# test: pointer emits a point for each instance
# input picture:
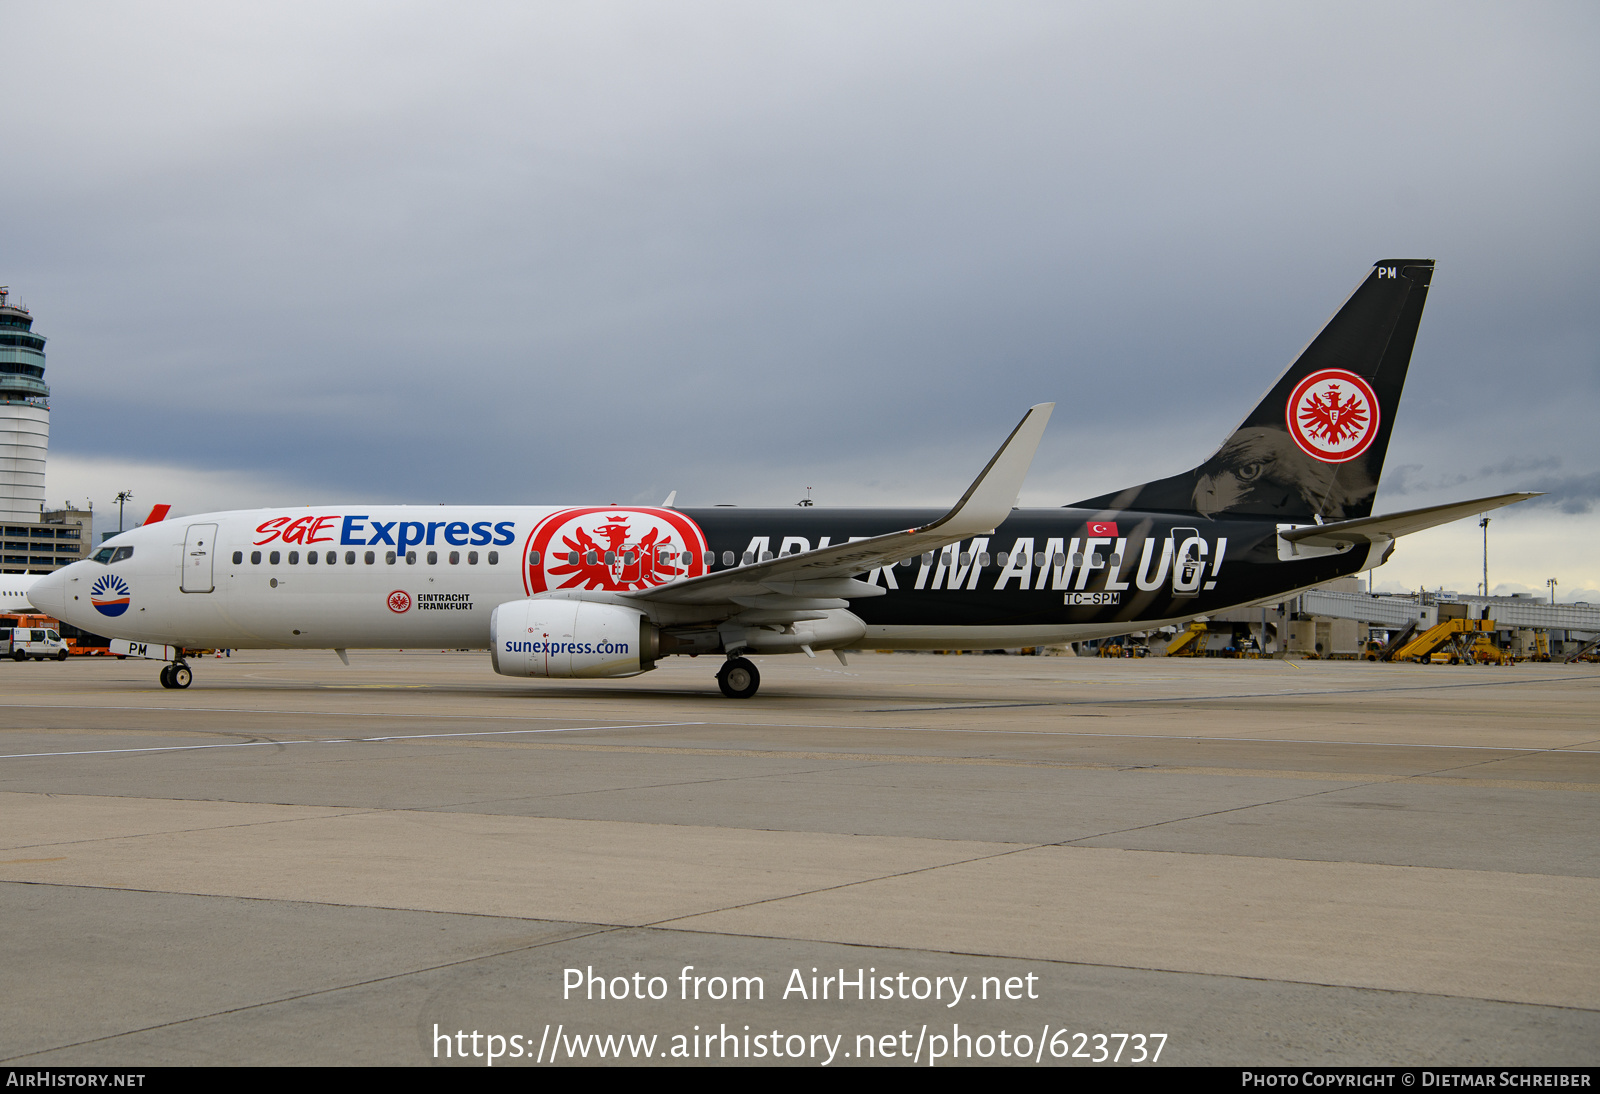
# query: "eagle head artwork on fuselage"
(1261, 469)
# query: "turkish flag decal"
(1103, 528)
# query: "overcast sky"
(570, 253)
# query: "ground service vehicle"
(32, 644)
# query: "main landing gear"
(176, 675)
(738, 678)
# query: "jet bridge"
(1391, 612)
(1521, 611)
(1395, 612)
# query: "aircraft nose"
(49, 593)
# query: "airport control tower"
(24, 415)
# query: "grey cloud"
(1414, 478)
(538, 253)
(1571, 493)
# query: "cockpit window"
(104, 554)
(122, 553)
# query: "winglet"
(158, 514)
(986, 504)
(993, 494)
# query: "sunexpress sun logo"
(110, 595)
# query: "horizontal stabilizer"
(1346, 533)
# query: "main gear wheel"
(738, 678)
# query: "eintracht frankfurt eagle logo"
(614, 549)
(1333, 415)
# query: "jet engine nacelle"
(566, 638)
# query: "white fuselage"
(14, 592)
(243, 585)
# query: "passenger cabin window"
(494, 558)
(294, 558)
(533, 558)
(472, 558)
(255, 558)
(433, 558)
(311, 558)
(411, 558)
(388, 556)
(274, 557)
(238, 557)
(455, 558)
(349, 558)
(372, 557)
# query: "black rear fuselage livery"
(606, 591)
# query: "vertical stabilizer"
(1314, 445)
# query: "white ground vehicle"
(37, 643)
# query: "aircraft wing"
(1347, 533)
(824, 578)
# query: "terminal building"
(32, 539)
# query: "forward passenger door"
(198, 548)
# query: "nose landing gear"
(176, 675)
(738, 678)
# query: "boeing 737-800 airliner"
(607, 591)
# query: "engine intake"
(570, 638)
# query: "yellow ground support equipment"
(1485, 652)
(1541, 645)
(1459, 635)
(1189, 643)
